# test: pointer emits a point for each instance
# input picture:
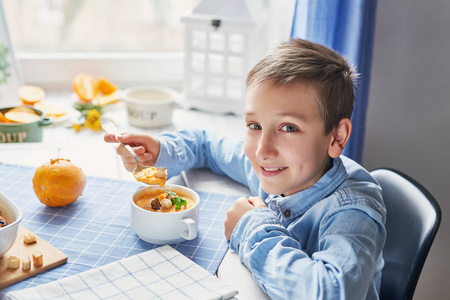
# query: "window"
(97, 25)
(130, 41)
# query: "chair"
(413, 219)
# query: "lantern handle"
(216, 23)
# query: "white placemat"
(161, 273)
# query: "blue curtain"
(347, 26)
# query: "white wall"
(409, 113)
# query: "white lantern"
(220, 49)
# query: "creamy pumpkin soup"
(2, 221)
(164, 201)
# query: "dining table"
(107, 177)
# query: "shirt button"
(287, 213)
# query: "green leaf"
(178, 201)
(85, 107)
(171, 193)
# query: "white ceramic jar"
(150, 106)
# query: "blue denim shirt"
(324, 242)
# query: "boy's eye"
(289, 128)
(254, 126)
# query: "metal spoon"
(110, 127)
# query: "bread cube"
(29, 238)
(26, 263)
(38, 259)
(13, 262)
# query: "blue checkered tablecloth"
(95, 230)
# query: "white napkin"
(161, 273)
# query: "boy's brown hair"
(300, 60)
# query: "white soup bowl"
(165, 227)
(11, 212)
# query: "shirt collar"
(300, 202)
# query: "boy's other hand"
(146, 148)
(239, 208)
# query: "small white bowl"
(11, 212)
(165, 228)
(150, 106)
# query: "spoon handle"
(110, 127)
(138, 163)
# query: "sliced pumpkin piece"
(23, 108)
(85, 86)
(30, 94)
(105, 86)
(51, 110)
(103, 100)
(3, 119)
(21, 117)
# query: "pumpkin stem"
(55, 160)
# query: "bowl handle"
(191, 232)
(45, 122)
(175, 105)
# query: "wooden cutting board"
(52, 258)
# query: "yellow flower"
(93, 117)
(77, 127)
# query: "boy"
(315, 227)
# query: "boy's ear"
(339, 137)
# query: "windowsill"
(56, 70)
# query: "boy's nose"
(266, 147)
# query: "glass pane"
(97, 25)
(236, 43)
(215, 87)
(235, 66)
(198, 62)
(131, 25)
(215, 63)
(198, 39)
(235, 89)
(196, 85)
(216, 41)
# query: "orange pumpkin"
(85, 86)
(58, 182)
(105, 86)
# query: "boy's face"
(285, 138)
